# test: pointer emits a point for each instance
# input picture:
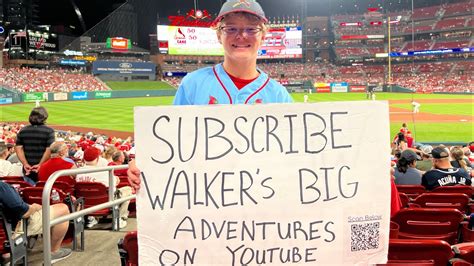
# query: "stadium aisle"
(100, 247)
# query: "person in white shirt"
(91, 159)
(6, 167)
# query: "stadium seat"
(65, 187)
(429, 223)
(22, 184)
(454, 189)
(465, 251)
(95, 193)
(15, 247)
(128, 249)
(11, 178)
(457, 201)
(419, 252)
(412, 191)
(404, 199)
(34, 195)
(394, 228)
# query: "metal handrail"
(47, 223)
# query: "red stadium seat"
(429, 223)
(454, 189)
(35, 194)
(128, 249)
(12, 178)
(412, 191)
(22, 184)
(67, 188)
(95, 193)
(465, 251)
(443, 200)
(414, 252)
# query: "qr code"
(365, 236)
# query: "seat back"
(429, 223)
(443, 200)
(21, 183)
(16, 247)
(422, 251)
(35, 195)
(94, 193)
(65, 187)
(12, 178)
(404, 199)
(412, 191)
(455, 189)
(128, 249)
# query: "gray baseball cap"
(247, 6)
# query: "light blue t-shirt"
(212, 85)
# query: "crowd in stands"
(455, 76)
(44, 80)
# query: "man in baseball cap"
(444, 174)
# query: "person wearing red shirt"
(58, 161)
(118, 158)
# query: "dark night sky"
(61, 11)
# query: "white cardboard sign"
(263, 184)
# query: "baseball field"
(442, 117)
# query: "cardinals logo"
(242, 2)
(212, 100)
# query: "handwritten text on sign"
(263, 184)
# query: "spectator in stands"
(409, 139)
(401, 142)
(32, 144)
(59, 161)
(109, 152)
(91, 158)
(241, 30)
(16, 209)
(459, 161)
(443, 173)
(426, 163)
(6, 167)
(118, 158)
(405, 171)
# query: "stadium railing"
(48, 223)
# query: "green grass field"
(117, 114)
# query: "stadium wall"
(80, 95)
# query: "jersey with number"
(212, 85)
(445, 177)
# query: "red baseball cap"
(91, 153)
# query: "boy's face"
(241, 36)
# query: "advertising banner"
(72, 62)
(357, 88)
(6, 100)
(79, 95)
(263, 184)
(102, 94)
(60, 96)
(339, 87)
(34, 96)
(118, 67)
(322, 87)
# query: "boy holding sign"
(240, 28)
